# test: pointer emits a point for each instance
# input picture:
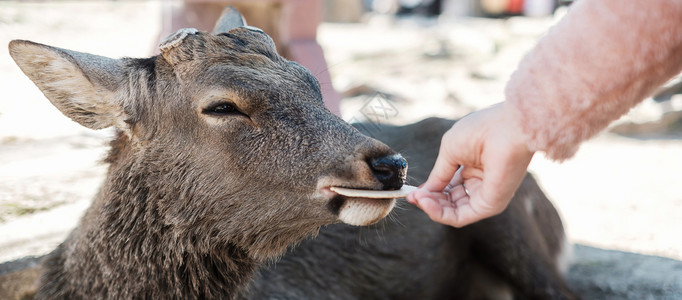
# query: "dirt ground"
(619, 193)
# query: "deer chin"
(364, 211)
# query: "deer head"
(220, 139)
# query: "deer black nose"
(390, 170)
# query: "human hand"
(481, 162)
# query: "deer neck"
(124, 248)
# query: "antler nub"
(176, 39)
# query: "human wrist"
(514, 130)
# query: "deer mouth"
(362, 207)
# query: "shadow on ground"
(608, 274)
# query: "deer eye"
(222, 109)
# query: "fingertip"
(410, 198)
(416, 203)
(413, 196)
(419, 194)
(430, 207)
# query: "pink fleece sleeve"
(602, 59)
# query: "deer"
(219, 187)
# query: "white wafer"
(375, 194)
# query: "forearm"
(603, 58)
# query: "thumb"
(441, 174)
(454, 149)
(445, 167)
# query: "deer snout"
(390, 170)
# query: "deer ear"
(82, 86)
(230, 18)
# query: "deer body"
(223, 160)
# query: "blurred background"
(412, 58)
